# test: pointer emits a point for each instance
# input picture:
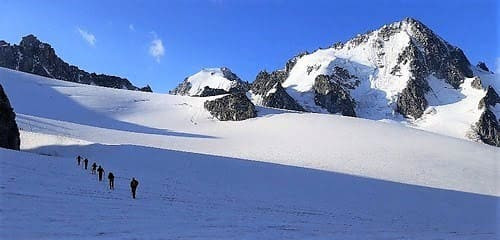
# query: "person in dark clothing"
(133, 185)
(78, 159)
(111, 178)
(94, 167)
(86, 163)
(100, 170)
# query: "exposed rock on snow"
(332, 96)
(411, 101)
(218, 80)
(9, 133)
(487, 126)
(147, 88)
(482, 66)
(33, 56)
(208, 91)
(490, 99)
(268, 86)
(388, 66)
(444, 60)
(232, 107)
(476, 83)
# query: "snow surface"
(283, 175)
(211, 77)
(378, 89)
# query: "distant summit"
(36, 57)
(211, 82)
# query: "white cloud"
(156, 48)
(131, 27)
(89, 37)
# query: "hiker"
(94, 166)
(100, 170)
(111, 178)
(133, 185)
(78, 159)
(85, 163)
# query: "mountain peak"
(210, 82)
(29, 40)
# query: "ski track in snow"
(283, 175)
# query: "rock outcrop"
(208, 91)
(427, 54)
(482, 66)
(476, 83)
(490, 99)
(487, 126)
(232, 107)
(268, 86)
(9, 133)
(33, 56)
(332, 96)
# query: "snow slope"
(209, 77)
(283, 175)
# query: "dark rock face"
(488, 129)
(9, 133)
(240, 86)
(442, 59)
(147, 88)
(208, 91)
(273, 94)
(411, 101)
(33, 56)
(427, 54)
(490, 99)
(233, 107)
(482, 66)
(332, 96)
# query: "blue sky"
(162, 42)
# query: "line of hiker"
(111, 177)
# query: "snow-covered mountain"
(211, 82)
(281, 175)
(402, 72)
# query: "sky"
(162, 42)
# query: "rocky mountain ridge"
(36, 57)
